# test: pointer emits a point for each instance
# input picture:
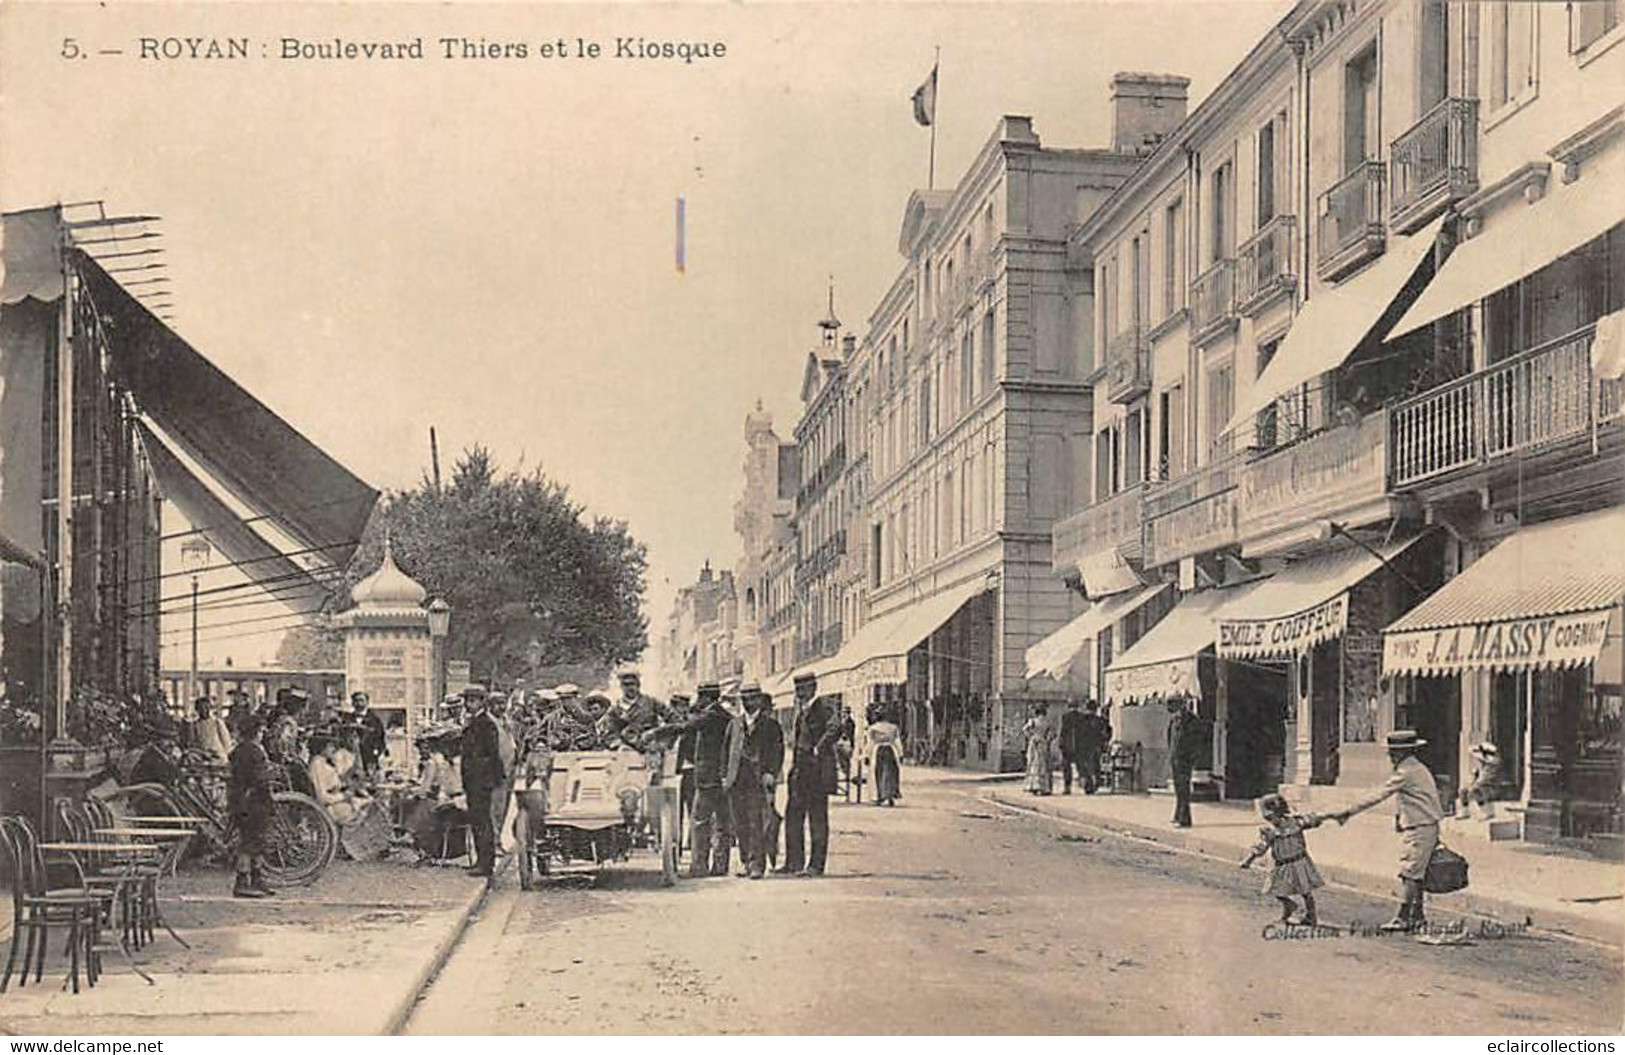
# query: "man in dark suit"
(706, 731)
(812, 779)
(1071, 729)
(483, 773)
(1184, 745)
(372, 740)
(1094, 733)
(755, 754)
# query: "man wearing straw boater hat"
(1417, 813)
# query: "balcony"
(1195, 513)
(1350, 231)
(1265, 266)
(1113, 523)
(822, 560)
(1543, 396)
(1435, 164)
(1213, 302)
(1128, 365)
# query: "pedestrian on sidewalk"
(1417, 812)
(884, 760)
(248, 799)
(755, 754)
(482, 773)
(1040, 732)
(1185, 742)
(814, 730)
(1294, 874)
(1071, 726)
(707, 732)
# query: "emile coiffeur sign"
(1286, 635)
(1510, 644)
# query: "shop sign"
(1510, 644)
(1199, 527)
(1152, 679)
(1283, 635)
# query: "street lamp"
(439, 627)
(194, 558)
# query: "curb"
(402, 1010)
(1554, 921)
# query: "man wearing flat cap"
(814, 731)
(634, 714)
(1417, 812)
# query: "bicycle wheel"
(300, 840)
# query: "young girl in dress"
(1294, 873)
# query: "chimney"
(1146, 107)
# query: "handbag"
(1446, 871)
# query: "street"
(950, 914)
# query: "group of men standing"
(732, 765)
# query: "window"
(1221, 402)
(1266, 174)
(874, 554)
(1171, 462)
(1590, 21)
(1433, 56)
(967, 369)
(1134, 448)
(1138, 289)
(1103, 464)
(1362, 130)
(989, 352)
(1512, 52)
(1222, 210)
(1267, 421)
(949, 540)
(1173, 257)
(1108, 312)
(925, 411)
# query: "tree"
(531, 580)
(311, 648)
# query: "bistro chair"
(122, 877)
(37, 908)
(149, 866)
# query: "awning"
(278, 575)
(1540, 599)
(1332, 325)
(878, 652)
(1524, 240)
(1107, 573)
(1163, 662)
(30, 256)
(1300, 606)
(261, 459)
(1053, 657)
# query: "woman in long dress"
(1040, 744)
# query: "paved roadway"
(951, 915)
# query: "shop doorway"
(1434, 711)
(1255, 737)
(1509, 723)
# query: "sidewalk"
(346, 956)
(1511, 881)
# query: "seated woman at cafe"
(337, 797)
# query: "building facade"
(702, 635)
(1351, 310)
(762, 523)
(960, 425)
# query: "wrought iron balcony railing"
(1350, 232)
(1213, 301)
(1128, 365)
(1434, 164)
(1265, 265)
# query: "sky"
(486, 246)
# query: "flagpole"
(936, 90)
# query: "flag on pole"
(925, 99)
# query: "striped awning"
(1054, 656)
(1164, 661)
(1540, 599)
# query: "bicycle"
(300, 839)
